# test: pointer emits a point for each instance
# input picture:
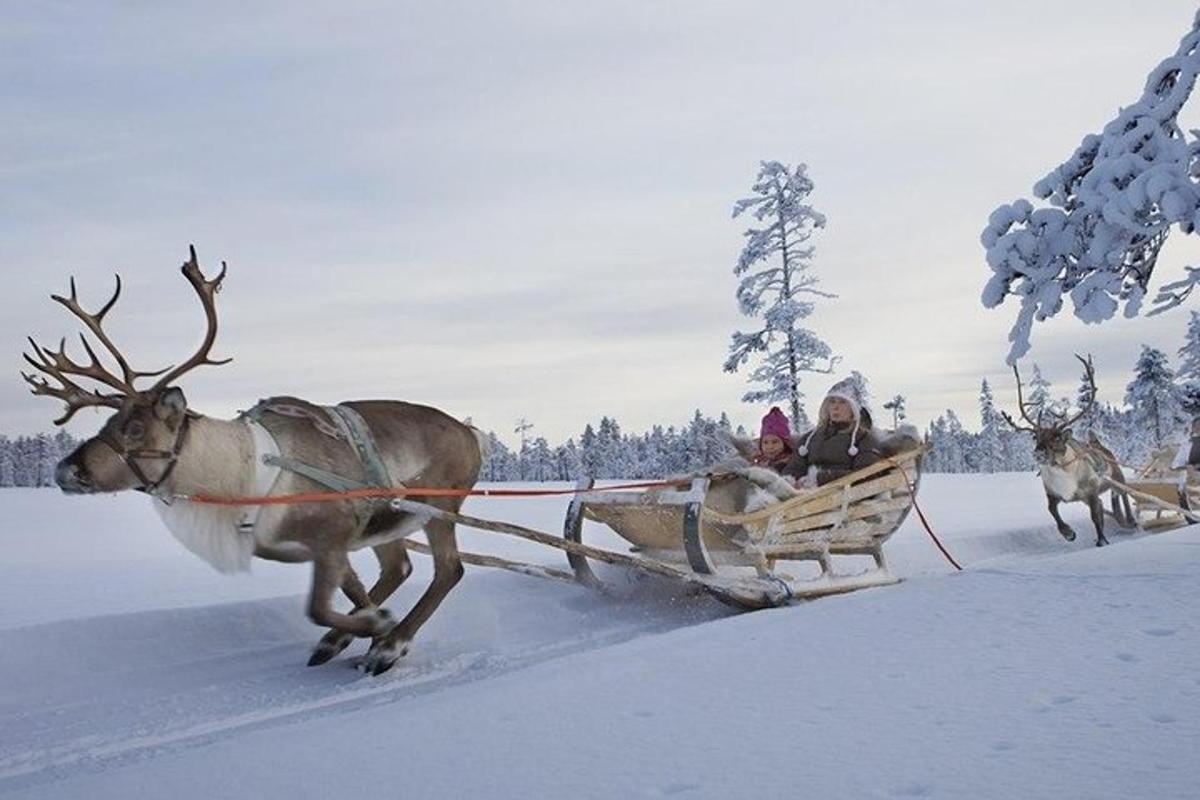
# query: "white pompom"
(802, 450)
(853, 451)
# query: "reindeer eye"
(135, 430)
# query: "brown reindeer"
(1071, 470)
(155, 444)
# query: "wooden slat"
(894, 483)
(856, 511)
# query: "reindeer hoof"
(1067, 534)
(1101, 542)
(330, 645)
(382, 657)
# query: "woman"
(843, 441)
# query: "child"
(843, 441)
(774, 441)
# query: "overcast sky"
(523, 209)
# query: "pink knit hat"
(775, 423)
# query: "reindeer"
(155, 444)
(1071, 470)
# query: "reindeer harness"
(340, 422)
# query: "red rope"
(912, 488)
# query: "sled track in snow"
(255, 679)
(148, 704)
(31, 767)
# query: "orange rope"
(402, 491)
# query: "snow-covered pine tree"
(540, 462)
(777, 285)
(568, 465)
(1188, 374)
(950, 443)
(896, 406)
(1153, 401)
(1110, 208)
(1084, 396)
(7, 472)
(500, 465)
(1038, 400)
(1189, 354)
(589, 454)
(610, 453)
(989, 445)
(522, 429)
(47, 459)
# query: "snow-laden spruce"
(1188, 374)
(777, 286)
(1110, 208)
(1158, 415)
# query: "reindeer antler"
(1089, 374)
(1021, 406)
(61, 367)
(207, 291)
(58, 365)
(71, 393)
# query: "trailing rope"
(912, 489)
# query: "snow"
(1046, 669)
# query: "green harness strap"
(354, 429)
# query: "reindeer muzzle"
(71, 478)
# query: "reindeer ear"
(170, 407)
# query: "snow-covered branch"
(1110, 208)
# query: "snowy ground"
(1047, 669)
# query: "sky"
(522, 209)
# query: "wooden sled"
(854, 515)
(1165, 499)
(732, 556)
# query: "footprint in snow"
(679, 787)
(1127, 657)
(1159, 631)
(915, 789)
(1163, 719)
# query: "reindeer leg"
(1063, 528)
(447, 571)
(330, 570)
(394, 567)
(1097, 507)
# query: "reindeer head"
(1052, 431)
(138, 445)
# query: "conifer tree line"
(604, 451)
(1159, 402)
(30, 460)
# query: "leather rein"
(131, 457)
